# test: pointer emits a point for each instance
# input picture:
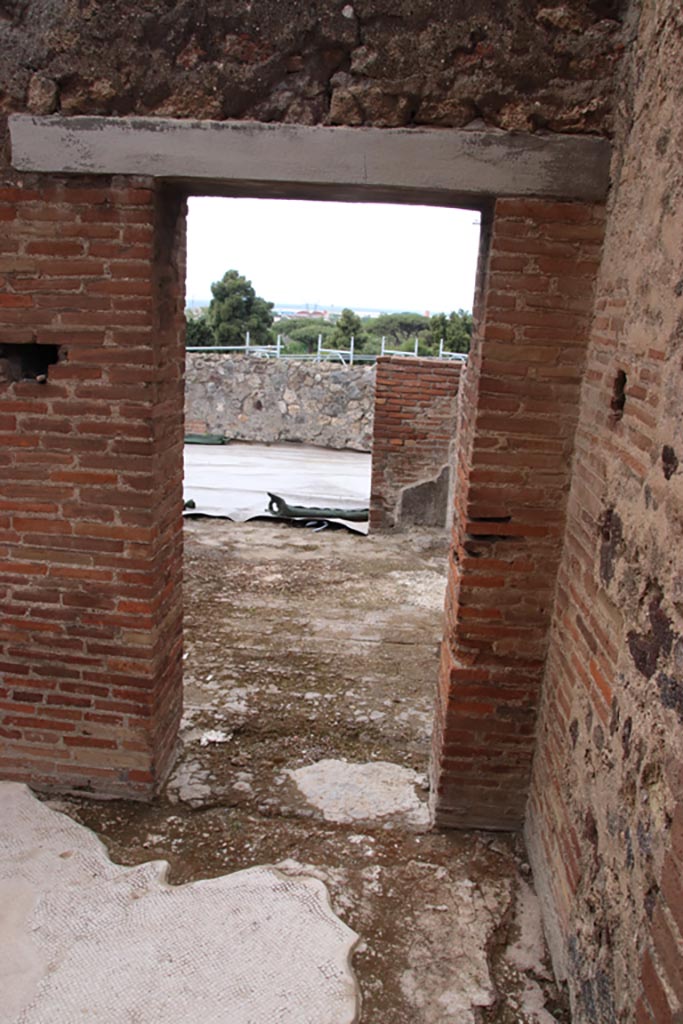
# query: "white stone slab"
(371, 792)
(83, 939)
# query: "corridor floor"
(310, 664)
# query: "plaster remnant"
(190, 784)
(448, 977)
(373, 792)
(214, 736)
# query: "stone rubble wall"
(525, 67)
(247, 398)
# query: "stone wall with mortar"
(268, 400)
(525, 67)
(415, 414)
(605, 823)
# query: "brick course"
(89, 463)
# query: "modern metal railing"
(347, 356)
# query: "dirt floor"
(321, 649)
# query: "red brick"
(654, 992)
(9, 301)
(90, 741)
(92, 554)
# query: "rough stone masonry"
(527, 67)
(559, 702)
(273, 400)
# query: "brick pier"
(91, 468)
(517, 418)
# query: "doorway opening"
(301, 611)
(289, 305)
(312, 653)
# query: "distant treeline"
(235, 309)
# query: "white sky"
(361, 255)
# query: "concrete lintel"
(445, 166)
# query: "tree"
(399, 329)
(300, 334)
(438, 331)
(455, 330)
(235, 309)
(349, 325)
(198, 331)
(459, 334)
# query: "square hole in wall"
(29, 361)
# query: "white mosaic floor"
(83, 939)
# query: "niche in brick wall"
(29, 361)
(618, 400)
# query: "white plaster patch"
(362, 792)
(90, 940)
(453, 986)
(424, 589)
(528, 952)
(189, 784)
(235, 701)
(214, 736)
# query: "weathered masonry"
(517, 418)
(413, 433)
(560, 698)
(91, 483)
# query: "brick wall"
(605, 823)
(414, 426)
(90, 499)
(516, 420)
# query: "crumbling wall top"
(523, 65)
